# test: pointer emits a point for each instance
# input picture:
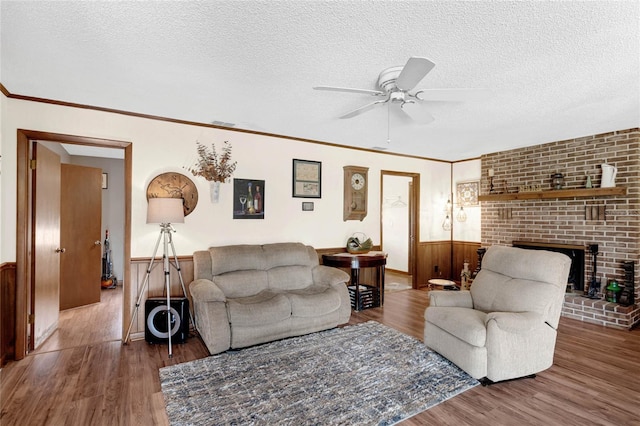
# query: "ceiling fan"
(397, 88)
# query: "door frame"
(414, 225)
(24, 212)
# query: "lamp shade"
(165, 210)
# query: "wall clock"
(174, 185)
(355, 193)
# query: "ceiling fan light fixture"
(396, 84)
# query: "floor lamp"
(164, 211)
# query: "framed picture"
(467, 193)
(307, 206)
(307, 179)
(105, 181)
(248, 199)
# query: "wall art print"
(307, 179)
(248, 199)
(467, 193)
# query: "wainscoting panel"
(155, 287)
(434, 261)
(7, 312)
(464, 250)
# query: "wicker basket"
(359, 243)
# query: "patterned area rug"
(365, 374)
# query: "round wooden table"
(373, 259)
(441, 284)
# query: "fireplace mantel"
(556, 193)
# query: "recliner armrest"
(204, 290)
(515, 322)
(327, 275)
(455, 299)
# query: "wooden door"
(45, 245)
(80, 229)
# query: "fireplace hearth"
(575, 282)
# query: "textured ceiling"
(555, 70)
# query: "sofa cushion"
(266, 307)
(467, 325)
(515, 295)
(522, 263)
(285, 254)
(236, 258)
(290, 277)
(313, 301)
(242, 283)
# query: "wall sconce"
(446, 224)
(462, 215)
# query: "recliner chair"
(505, 326)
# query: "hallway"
(88, 325)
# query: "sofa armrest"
(327, 275)
(454, 299)
(515, 322)
(204, 290)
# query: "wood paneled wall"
(7, 312)
(155, 288)
(464, 250)
(433, 261)
(448, 256)
(444, 259)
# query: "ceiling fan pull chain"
(388, 124)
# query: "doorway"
(24, 232)
(400, 195)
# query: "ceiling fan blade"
(452, 95)
(417, 112)
(413, 72)
(363, 109)
(349, 90)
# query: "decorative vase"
(214, 191)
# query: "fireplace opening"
(575, 283)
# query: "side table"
(373, 259)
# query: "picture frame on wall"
(248, 199)
(467, 193)
(307, 179)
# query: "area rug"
(393, 286)
(366, 374)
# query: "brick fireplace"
(612, 221)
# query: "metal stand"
(165, 235)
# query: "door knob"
(60, 250)
(97, 242)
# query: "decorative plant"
(211, 166)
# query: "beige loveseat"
(505, 327)
(244, 295)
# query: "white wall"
(3, 161)
(435, 186)
(466, 171)
(160, 146)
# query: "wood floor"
(83, 375)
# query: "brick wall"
(564, 221)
